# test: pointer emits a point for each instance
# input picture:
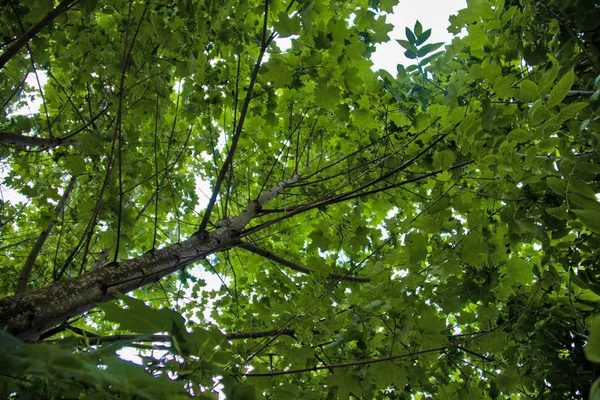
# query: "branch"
(39, 243)
(573, 93)
(238, 131)
(34, 30)
(287, 263)
(20, 242)
(322, 202)
(350, 364)
(555, 158)
(20, 140)
(94, 340)
(260, 334)
(457, 345)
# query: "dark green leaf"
(418, 29)
(410, 36)
(592, 349)
(590, 218)
(140, 318)
(561, 89)
(287, 26)
(422, 38)
(410, 54)
(407, 45)
(428, 48)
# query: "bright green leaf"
(287, 26)
(561, 89)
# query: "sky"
(431, 13)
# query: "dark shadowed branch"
(292, 265)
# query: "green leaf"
(140, 318)
(561, 89)
(407, 45)
(430, 58)
(319, 240)
(595, 390)
(592, 349)
(557, 185)
(410, 54)
(286, 26)
(443, 159)
(518, 135)
(570, 111)
(233, 390)
(590, 218)
(422, 38)
(387, 5)
(417, 247)
(410, 36)
(418, 29)
(529, 90)
(9, 343)
(549, 77)
(428, 48)
(329, 95)
(347, 384)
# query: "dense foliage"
(433, 234)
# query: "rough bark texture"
(28, 315)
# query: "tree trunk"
(28, 315)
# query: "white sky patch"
(8, 194)
(33, 107)
(203, 191)
(33, 104)
(391, 214)
(177, 87)
(432, 14)
(285, 43)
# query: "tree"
(432, 234)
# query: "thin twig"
(292, 265)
